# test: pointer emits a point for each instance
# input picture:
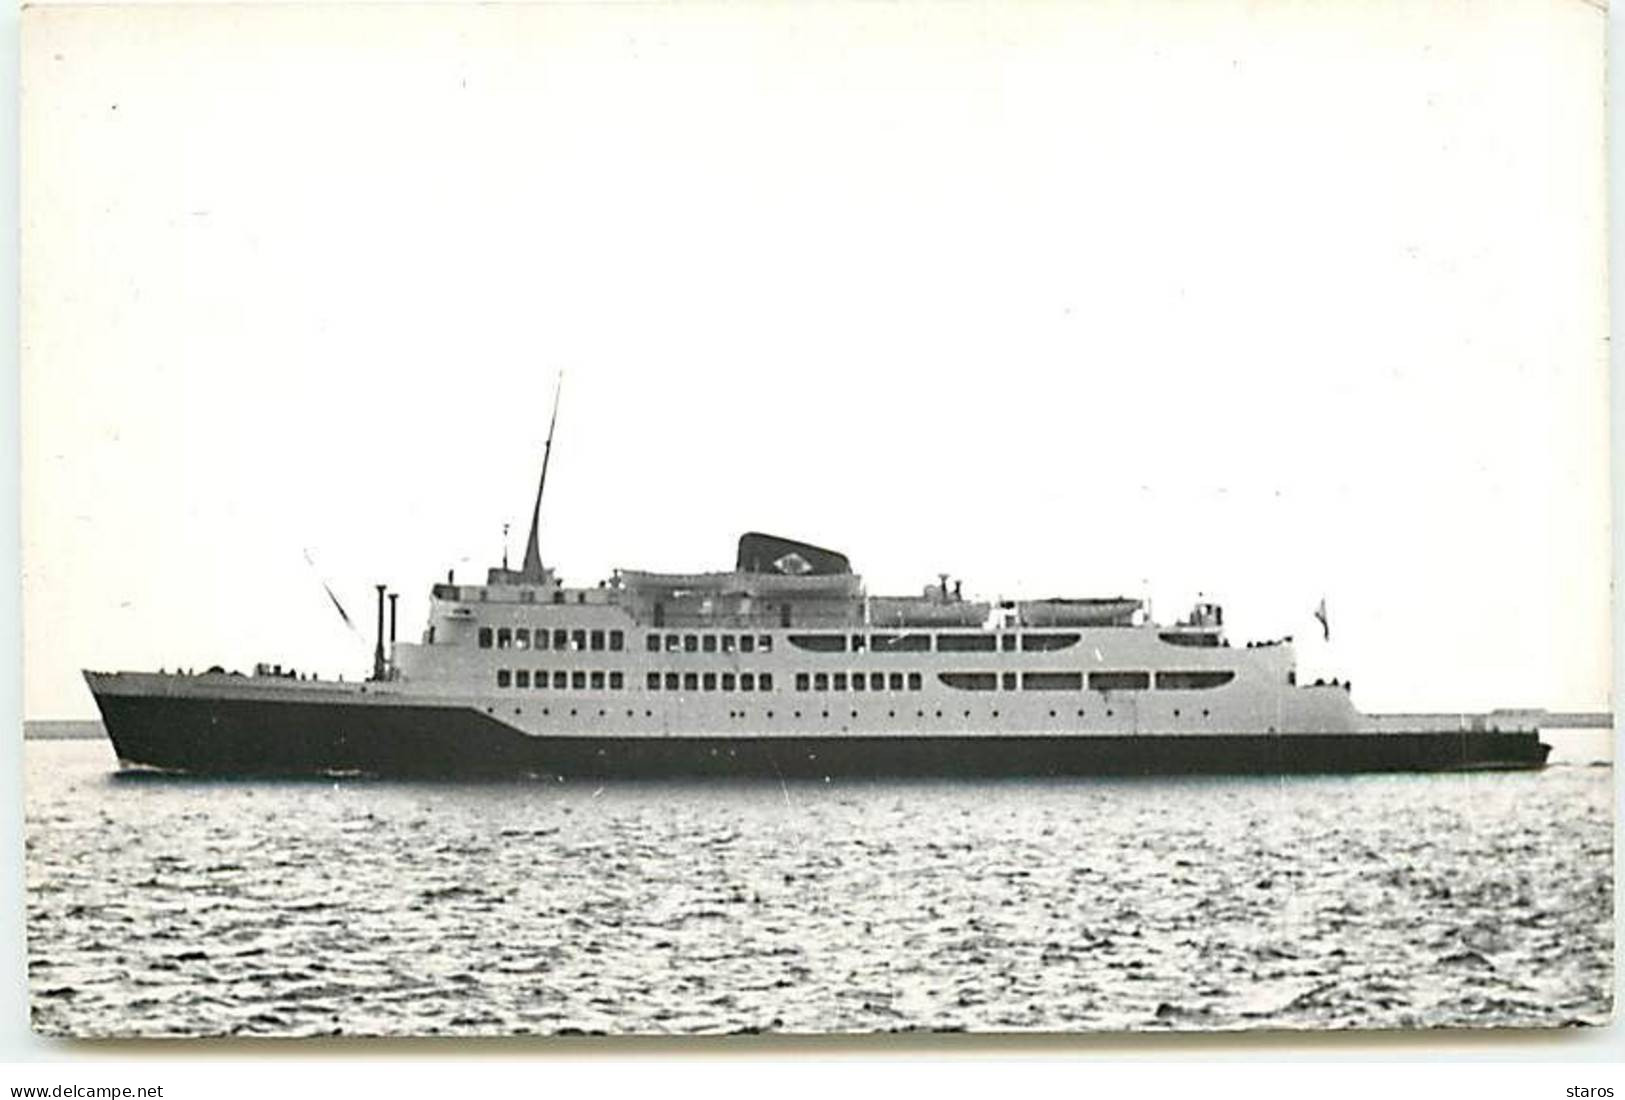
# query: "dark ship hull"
(271, 737)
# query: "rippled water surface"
(178, 907)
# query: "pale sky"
(1264, 301)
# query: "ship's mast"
(531, 571)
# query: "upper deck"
(776, 583)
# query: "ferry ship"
(785, 667)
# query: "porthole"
(572, 712)
(1110, 713)
(1176, 712)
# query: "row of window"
(709, 681)
(858, 681)
(978, 642)
(560, 680)
(1098, 681)
(614, 641)
(581, 680)
(962, 642)
(565, 641)
(710, 643)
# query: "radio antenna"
(532, 569)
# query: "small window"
(1194, 681)
(561, 639)
(897, 681)
(1052, 681)
(821, 682)
(1009, 681)
(766, 681)
(617, 681)
(728, 681)
(652, 681)
(1048, 642)
(598, 681)
(1008, 643)
(540, 640)
(837, 682)
(653, 642)
(1119, 681)
(709, 681)
(672, 682)
(857, 681)
(914, 681)
(965, 643)
(747, 643)
(691, 681)
(617, 641)
(877, 681)
(504, 638)
(578, 681)
(578, 640)
(1198, 640)
(709, 643)
(803, 682)
(764, 642)
(598, 641)
(521, 639)
(747, 681)
(857, 643)
(541, 679)
(969, 681)
(673, 643)
(900, 643)
(819, 643)
(485, 637)
(691, 643)
(521, 678)
(727, 643)
(504, 677)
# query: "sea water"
(183, 907)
